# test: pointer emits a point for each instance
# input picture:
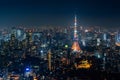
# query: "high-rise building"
(75, 46)
(117, 39)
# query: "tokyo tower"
(75, 45)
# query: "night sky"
(104, 13)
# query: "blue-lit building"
(117, 39)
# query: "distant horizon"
(55, 26)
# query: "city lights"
(59, 40)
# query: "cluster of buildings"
(48, 53)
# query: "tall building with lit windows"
(117, 39)
(75, 45)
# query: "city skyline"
(59, 53)
(59, 13)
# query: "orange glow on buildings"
(84, 64)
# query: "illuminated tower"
(75, 46)
(49, 59)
